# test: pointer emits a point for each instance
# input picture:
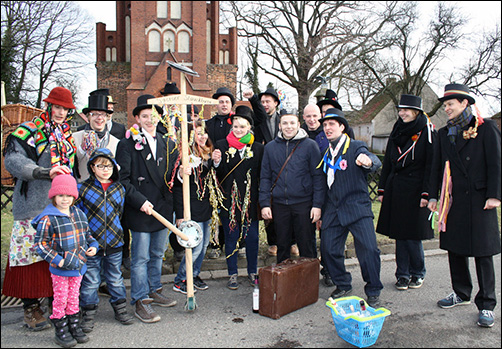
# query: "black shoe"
(373, 301)
(337, 293)
(103, 290)
(199, 283)
(327, 281)
(402, 284)
(416, 282)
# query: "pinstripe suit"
(348, 208)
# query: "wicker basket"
(15, 114)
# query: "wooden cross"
(184, 99)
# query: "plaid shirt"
(61, 237)
(103, 211)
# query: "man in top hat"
(467, 165)
(94, 135)
(146, 161)
(347, 163)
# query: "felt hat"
(142, 103)
(336, 114)
(224, 91)
(460, 91)
(60, 96)
(330, 98)
(170, 89)
(244, 112)
(97, 102)
(103, 91)
(272, 92)
(63, 184)
(410, 102)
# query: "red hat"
(63, 185)
(60, 96)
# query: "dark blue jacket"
(300, 181)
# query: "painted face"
(59, 114)
(224, 105)
(146, 121)
(333, 129)
(289, 126)
(454, 108)
(63, 202)
(240, 127)
(97, 120)
(311, 116)
(269, 104)
(408, 115)
(103, 169)
(201, 136)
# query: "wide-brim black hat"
(170, 88)
(410, 102)
(272, 92)
(460, 91)
(330, 98)
(244, 112)
(97, 102)
(105, 92)
(224, 91)
(336, 114)
(142, 103)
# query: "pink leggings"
(66, 294)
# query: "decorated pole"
(184, 99)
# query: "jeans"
(147, 253)
(410, 260)
(109, 266)
(198, 253)
(231, 238)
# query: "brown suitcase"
(288, 286)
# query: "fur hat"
(63, 184)
(60, 96)
(460, 91)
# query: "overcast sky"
(483, 15)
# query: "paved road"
(224, 318)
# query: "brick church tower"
(131, 61)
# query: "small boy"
(63, 240)
(102, 200)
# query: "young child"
(63, 239)
(101, 198)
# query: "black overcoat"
(475, 169)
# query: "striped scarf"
(455, 125)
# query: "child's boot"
(75, 323)
(63, 336)
(88, 314)
(121, 315)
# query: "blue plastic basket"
(361, 331)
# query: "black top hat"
(97, 102)
(410, 102)
(460, 91)
(330, 98)
(142, 103)
(170, 89)
(224, 91)
(104, 92)
(336, 114)
(244, 112)
(272, 92)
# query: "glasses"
(104, 167)
(103, 115)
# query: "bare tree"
(300, 40)
(51, 42)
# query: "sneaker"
(402, 284)
(103, 290)
(145, 312)
(451, 301)
(180, 287)
(199, 283)
(373, 301)
(337, 293)
(486, 318)
(214, 253)
(251, 278)
(159, 299)
(272, 250)
(416, 282)
(294, 250)
(232, 282)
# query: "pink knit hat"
(63, 185)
